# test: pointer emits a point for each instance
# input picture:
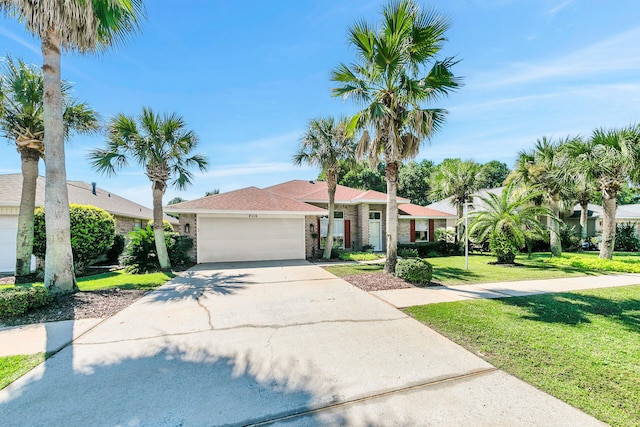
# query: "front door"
(375, 230)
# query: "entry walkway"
(278, 343)
(408, 297)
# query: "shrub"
(626, 238)
(359, 256)
(367, 248)
(92, 233)
(116, 249)
(441, 248)
(141, 255)
(17, 301)
(414, 270)
(503, 247)
(569, 238)
(166, 225)
(409, 253)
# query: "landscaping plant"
(140, 255)
(626, 238)
(414, 270)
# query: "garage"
(8, 231)
(250, 238)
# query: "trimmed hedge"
(409, 253)
(414, 270)
(15, 302)
(428, 249)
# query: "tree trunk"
(158, 229)
(58, 268)
(331, 187)
(24, 240)
(608, 223)
(554, 225)
(460, 214)
(391, 175)
(584, 215)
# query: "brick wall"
(192, 221)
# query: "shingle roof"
(316, 191)
(79, 193)
(410, 209)
(246, 199)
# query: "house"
(289, 221)
(129, 215)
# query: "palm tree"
(22, 123)
(163, 146)
(76, 25)
(324, 144)
(507, 220)
(545, 167)
(389, 79)
(459, 180)
(611, 158)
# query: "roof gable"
(418, 211)
(316, 191)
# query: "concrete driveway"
(277, 343)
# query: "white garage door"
(250, 239)
(8, 230)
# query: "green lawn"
(581, 347)
(13, 367)
(115, 279)
(451, 270)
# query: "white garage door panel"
(250, 239)
(8, 230)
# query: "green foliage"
(413, 182)
(166, 225)
(141, 256)
(569, 237)
(408, 253)
(17, 301)
(594, 263)
(175, 200)
(429, 249)
(359, 256)
(493, 174)
(116, 249)
(626, 238)
(363, 177)
(503, 247)
(92, 234)
(414, 270)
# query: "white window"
(338, 229)
(422, 230)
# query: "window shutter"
(347, 233)
(432, 230)
(318, 234)
(412, 230)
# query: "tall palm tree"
(22, 123)
(389, 79)
(611, 158)
(584, 184)
(456, 179)
(75, 25)
(160, 144)
(507, 220)
(324, 144)
(545, 167)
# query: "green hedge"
(430, 249)
(15, 302)
(414, 270)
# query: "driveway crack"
(205, 308)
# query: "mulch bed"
(81, 305)
(377, 281)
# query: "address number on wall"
(253, 215)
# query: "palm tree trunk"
(584, 215)
(608, 223)
(460, 214)
(331, 187)
(391, 175)
(554, 226)
(24, 240)
(58, 265)
(158, 229)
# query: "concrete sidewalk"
(280, 343)
(408, 297)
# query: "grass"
(114, 279)
(582, 347)
(360, 256)
(13, 367)
(451, 270)
(625, 262)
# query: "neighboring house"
(129, 215)
(289, 221)
(624, 214)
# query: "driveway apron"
(270, 343)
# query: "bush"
(92, 233)
(166, 225)
(569, 238)
(17, 301)
(426, 249)
(359, 256)
(414, 270)
(116, 249)
(141, 255)
(409, 253)
(626, 238)
(503, 247)
(367, 248)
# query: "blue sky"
(248, 75)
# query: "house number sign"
(253, 215)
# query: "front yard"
(581, 347)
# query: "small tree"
(507, 220)
(92, 233)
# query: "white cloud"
(554, 10)
(251, 169)
(11, 35)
